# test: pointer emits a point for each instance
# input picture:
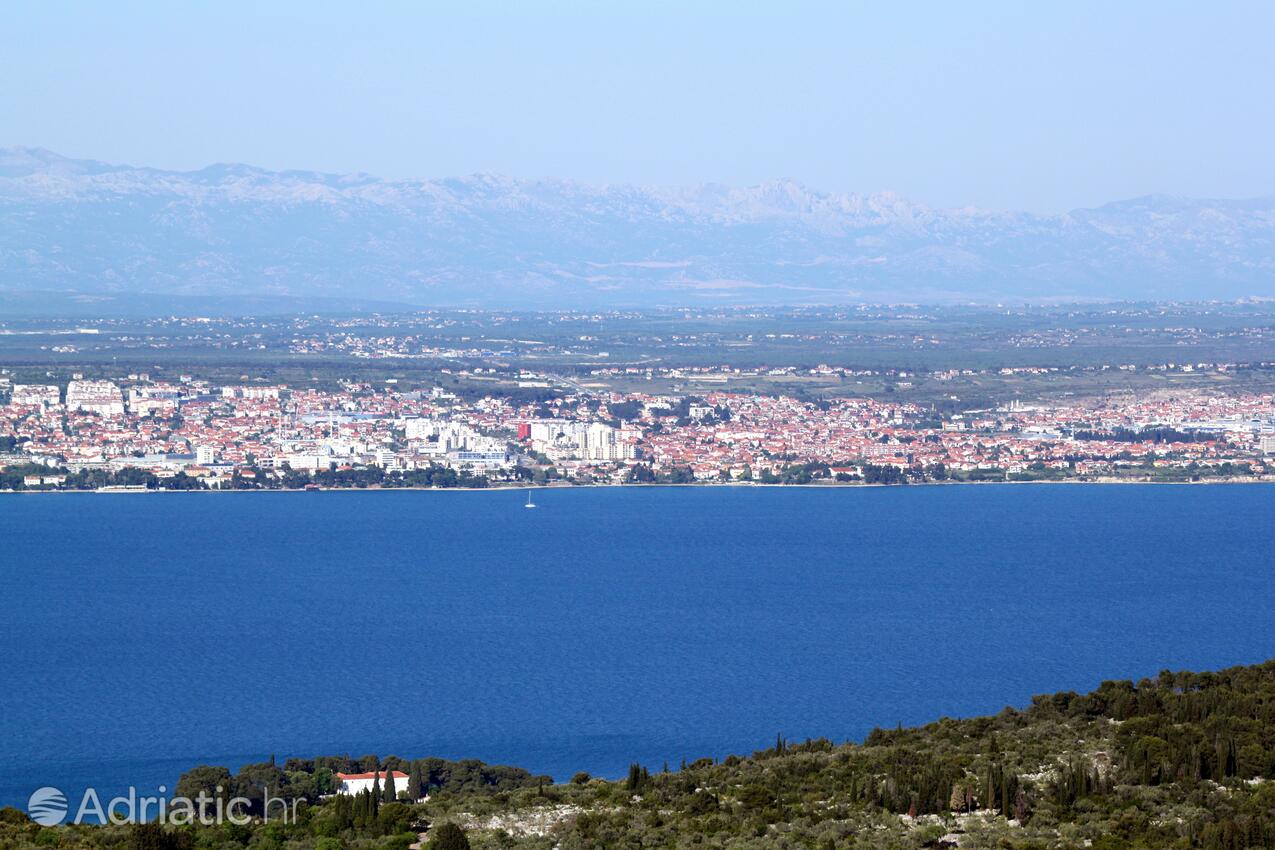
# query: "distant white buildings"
(440, 394)
(153, 400)
(313, 462)
(599, 442)
(595, 442)
(101, 397)
(35, 395)
(250, 392)
(455, 444)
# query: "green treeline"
(312, 779)
(1163, 434)
(12, 478)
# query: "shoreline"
(838, 485)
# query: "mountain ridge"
(496, 241)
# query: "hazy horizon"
(995, 107)
(656, 153)
(491, 242)
(773, 181)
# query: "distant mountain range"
(490, 241)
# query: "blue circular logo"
(47, 806)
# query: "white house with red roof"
(356, 783)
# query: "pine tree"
(448, 836)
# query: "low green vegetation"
(1178, 761)
(23, 477)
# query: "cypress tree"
(362, 809)
(414, 783)
(390, 794)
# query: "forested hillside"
(1180, 760)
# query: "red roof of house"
(398, 774)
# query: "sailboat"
(530, 504)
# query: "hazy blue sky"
(952, 103)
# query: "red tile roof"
(398, 774)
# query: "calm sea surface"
(143, 634)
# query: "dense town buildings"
(215, 433)
(36, 395)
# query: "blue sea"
(143, 634)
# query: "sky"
(1024, 105)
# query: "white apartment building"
(441, 437)
(306, 459)
(600, 442)
(147, 401)
(101, 397)
(35, 395)
(594, 442)
(455, 444)
(546, 431)
(250, 392)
